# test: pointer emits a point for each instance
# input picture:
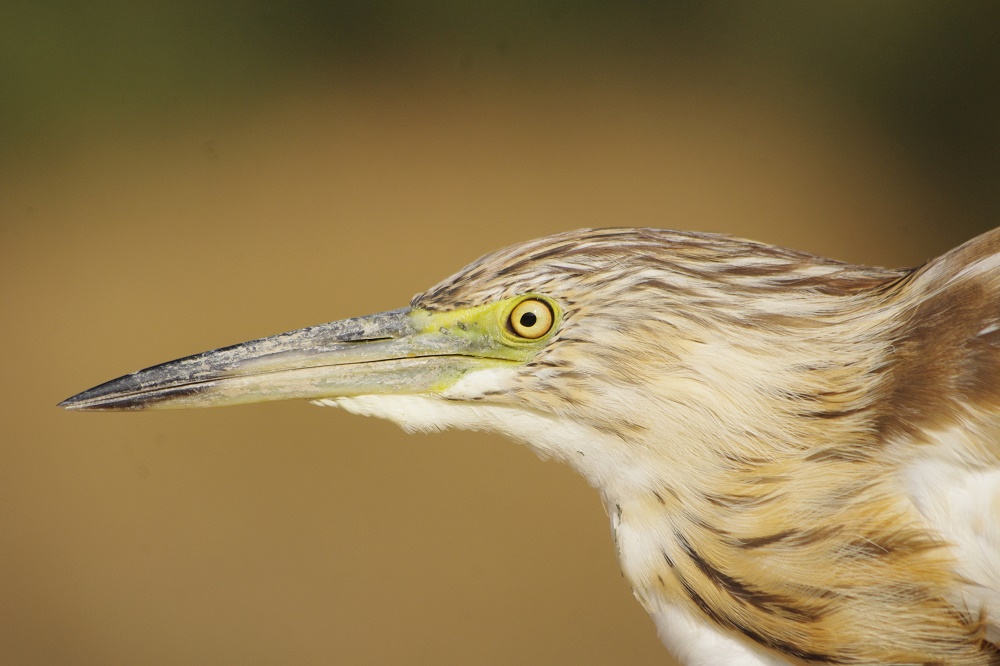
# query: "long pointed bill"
(403, 351)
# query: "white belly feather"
(963, 504)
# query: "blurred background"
(177, 176)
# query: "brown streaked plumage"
(801, 458)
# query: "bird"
(800, 457)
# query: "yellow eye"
(531, 319)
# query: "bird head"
(587, 345)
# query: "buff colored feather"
(800, 458)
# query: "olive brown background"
(178, 176)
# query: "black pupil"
(528, 319)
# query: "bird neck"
(770, 508)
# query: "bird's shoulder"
(941, 411)
(942, 383)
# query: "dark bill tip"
(126, 394)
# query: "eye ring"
(531, 319)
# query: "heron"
(800, 457)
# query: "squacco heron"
(800, 457)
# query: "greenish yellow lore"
(485, 327)
(489, 323)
